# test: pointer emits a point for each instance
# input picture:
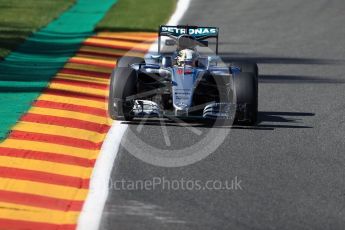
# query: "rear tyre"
(246, 97)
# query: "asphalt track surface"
(291, 164)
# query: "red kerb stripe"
(46, 156)
(55, 139)
(43, 177)
(30, 225)
(83, 84)
(97, 44)
(66, 93)
(127, 39)
(66, 122)
(70, 107)
(40, 201)
(90, 62)
(87, 73)
(98, 54)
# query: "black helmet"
(186, 41)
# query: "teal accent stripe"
(27, 71)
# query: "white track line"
(181, 8)
(91, 214)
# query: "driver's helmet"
(186, 41)
(187, 57)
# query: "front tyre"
(246, 97)
(123, 88)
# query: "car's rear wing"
(199, 32)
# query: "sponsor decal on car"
(201, 31)
(181, 71)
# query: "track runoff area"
(47, 160)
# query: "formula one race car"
(185, 83)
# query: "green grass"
(27, 70)
(137, 15)
(19, 18)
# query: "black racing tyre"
(123, 84)
(246, 94)
(253, 69)
(111, 99)
(167, 102)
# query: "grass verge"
(20, 18)
(137, 15)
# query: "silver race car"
(188, 81)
